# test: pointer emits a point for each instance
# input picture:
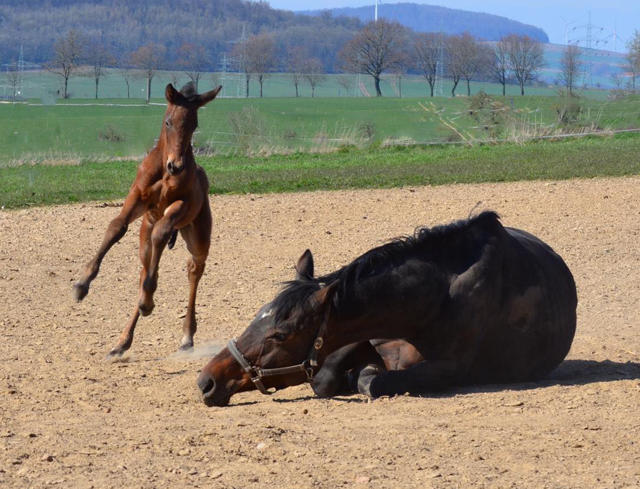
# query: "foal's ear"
(304, 268)
(325, 295)
(173, 96)
(205, 98)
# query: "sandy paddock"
(69, 418)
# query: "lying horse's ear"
(205, 98)
(304, 268)
(324, 297)
(173, 96)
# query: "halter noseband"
(257, 373)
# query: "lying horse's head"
(282, 347)
(180, 122)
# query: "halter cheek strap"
(257, 373)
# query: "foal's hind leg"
(132, 209)
(197, 236)
(126, 337)
(160, 236)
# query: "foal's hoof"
(115, 353)
(186, 346)
(80, 291)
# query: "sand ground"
(69, 418)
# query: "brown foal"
(170, 193)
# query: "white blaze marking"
(267, 314)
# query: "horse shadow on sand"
(568, 373)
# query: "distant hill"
(431, 18)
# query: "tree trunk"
(128, 94)
(247, 94)
(97, 81)
(504, 89)
(453, 90)
(377, 83)
(432, 88)
(468, 88)
(261, 81)
(148, 88)
(400, 86)
(66, 83)
(296, 85)
(313, 89)
(522, 89)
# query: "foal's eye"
(279, 337)
(166, 123)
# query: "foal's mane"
(296, 294)
(189, 91)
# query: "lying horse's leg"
(160, 236)
(341, 366)
(126, 337)
(197, 236)
(132, 209)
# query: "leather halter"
(257, 373)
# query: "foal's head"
(180, 121)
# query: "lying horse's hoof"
(116, 353)
(80, 291)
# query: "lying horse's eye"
(166, 123)
(279, 337)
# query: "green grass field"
(588, 157)
(68, 132)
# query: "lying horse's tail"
(172, 239)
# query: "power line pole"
(439, 65)
(21, 73)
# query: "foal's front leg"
(132, 209)
(160, 236)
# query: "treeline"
(125, 26)
(433, 18)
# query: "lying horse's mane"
(296, 294)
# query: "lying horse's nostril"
(170, 166)
(206, 385)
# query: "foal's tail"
(172, 239)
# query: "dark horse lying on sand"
(466, 303)
(170, 193)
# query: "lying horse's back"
(529, 331)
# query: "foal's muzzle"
(173, 168)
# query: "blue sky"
(546, 14)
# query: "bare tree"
(261, 53)
(98, 58)
(498, 65)
(379, 47)
(314, 74)
(633, 59)
(296, 59)
(125, 70)
(455, 61)
(471, 58)
(67, 54)
(427, 48)
(526, 58)
(344, 82)
(174, 77)
(12, 79)
(148, 59)
(570, 67)
(193, 60)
